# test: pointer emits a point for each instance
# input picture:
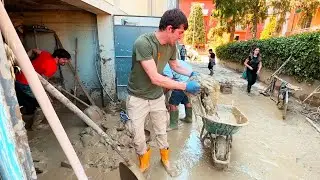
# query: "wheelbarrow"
(219, 130)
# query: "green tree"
(280, 8)
(229, 13)
(255, 13)
(218, 36)
(196, 33)
(270, 29)
(308, 9)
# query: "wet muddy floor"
(267, 148)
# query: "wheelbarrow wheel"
(219, 153)
(285, 105)
(221, 148)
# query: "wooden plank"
(290, 86)
(313, 124)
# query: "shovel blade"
(130, 173)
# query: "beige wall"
(143, 7)
(160, 6)
(111, 1)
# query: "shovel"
(128, 169)
(93, 112)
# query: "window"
(238, 27)
(307, 22)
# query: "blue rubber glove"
(194, 73)
(193, 87)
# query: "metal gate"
(126, 30)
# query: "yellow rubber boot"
(145, 160)
(165, 157)
(173, 172)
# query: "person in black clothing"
(183, 53)
(254, 65)
(212, 61)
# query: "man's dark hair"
(175, 18)
(61, 53)
(210, 49)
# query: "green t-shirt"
(147, 47)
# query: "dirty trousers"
(138, 110)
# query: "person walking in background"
(254, 65)
(212, 61)
(183, 53)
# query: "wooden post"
(15, 157)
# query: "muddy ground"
(267, 148)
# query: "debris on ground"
(226, 87)
(114, 107)
(95, 152)
(66, 164)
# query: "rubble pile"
(95, 152)
(226, 87)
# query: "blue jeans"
(26, 98)
(178, 97)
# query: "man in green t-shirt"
(151, 52)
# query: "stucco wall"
(143, 7)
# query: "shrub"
(304, 63)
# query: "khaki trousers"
(138, 110)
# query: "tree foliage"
(218, 36)
(280, 9)
(196, 32)
(308, 9)
(256, 11)
(229, 13)
(270, 29)
(252, 12)
(243, 12)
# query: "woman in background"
(254, 65)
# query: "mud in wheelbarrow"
(218, 129)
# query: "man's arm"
(150, 68)
(175, 65)
(34, 51)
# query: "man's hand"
(250, 68)
(193, 87)
(258, 72)
(194, 73)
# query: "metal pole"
(23, 60)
